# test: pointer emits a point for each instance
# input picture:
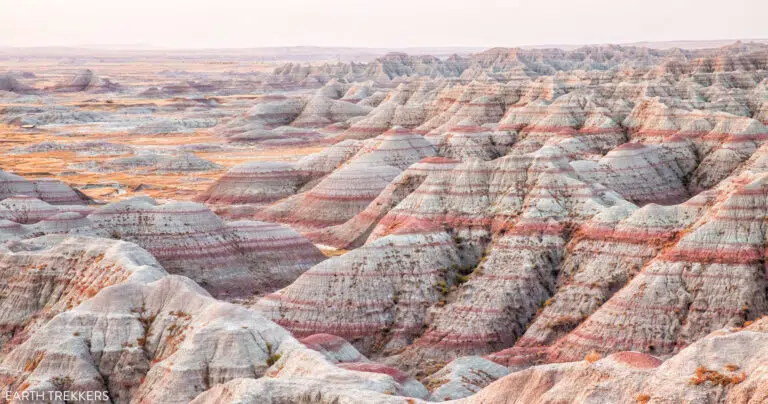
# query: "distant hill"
(306, 53)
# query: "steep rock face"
(278, 252)
(603, 198)
(144, 341)
(608, 251)
(474, 196)
(148, 336)
(397, 147)
(477, 103)
(45, 276)
(322, 163)
(552, 198)
(376, 296)
(731, 142)
(359, 92)
(521, 116)
(479, 111)
(355, 231)
(538, 199)
(540, 123)
(712, 277)
(762, 113)
(722, 141)
(651, 121)
(644, 173)
(249, 187)
(350, 189)
(522, 262)
(236, 260)
(335, 199)
(558, 121)
(601, 133)
(602, 256)
(439, 200)
(406, 106)
(456, 197)
(466, 141)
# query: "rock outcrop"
(86, 80)
(400, 277)
(349, 189)
(143, 335)
(238, 259)
(48, 190)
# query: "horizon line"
(153, 47)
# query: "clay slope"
(48, 190)
(726, 366)
(376, 296)
(153, 337)
(349, 189)
(355, 231)
(236, 259)
(716, 269)
(46, 276)
(576, 164)
(247, 188)
(526, 209)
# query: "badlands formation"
(507, 226)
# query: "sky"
(373, 23)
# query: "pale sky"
(374, 23)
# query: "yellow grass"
(181, 186)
